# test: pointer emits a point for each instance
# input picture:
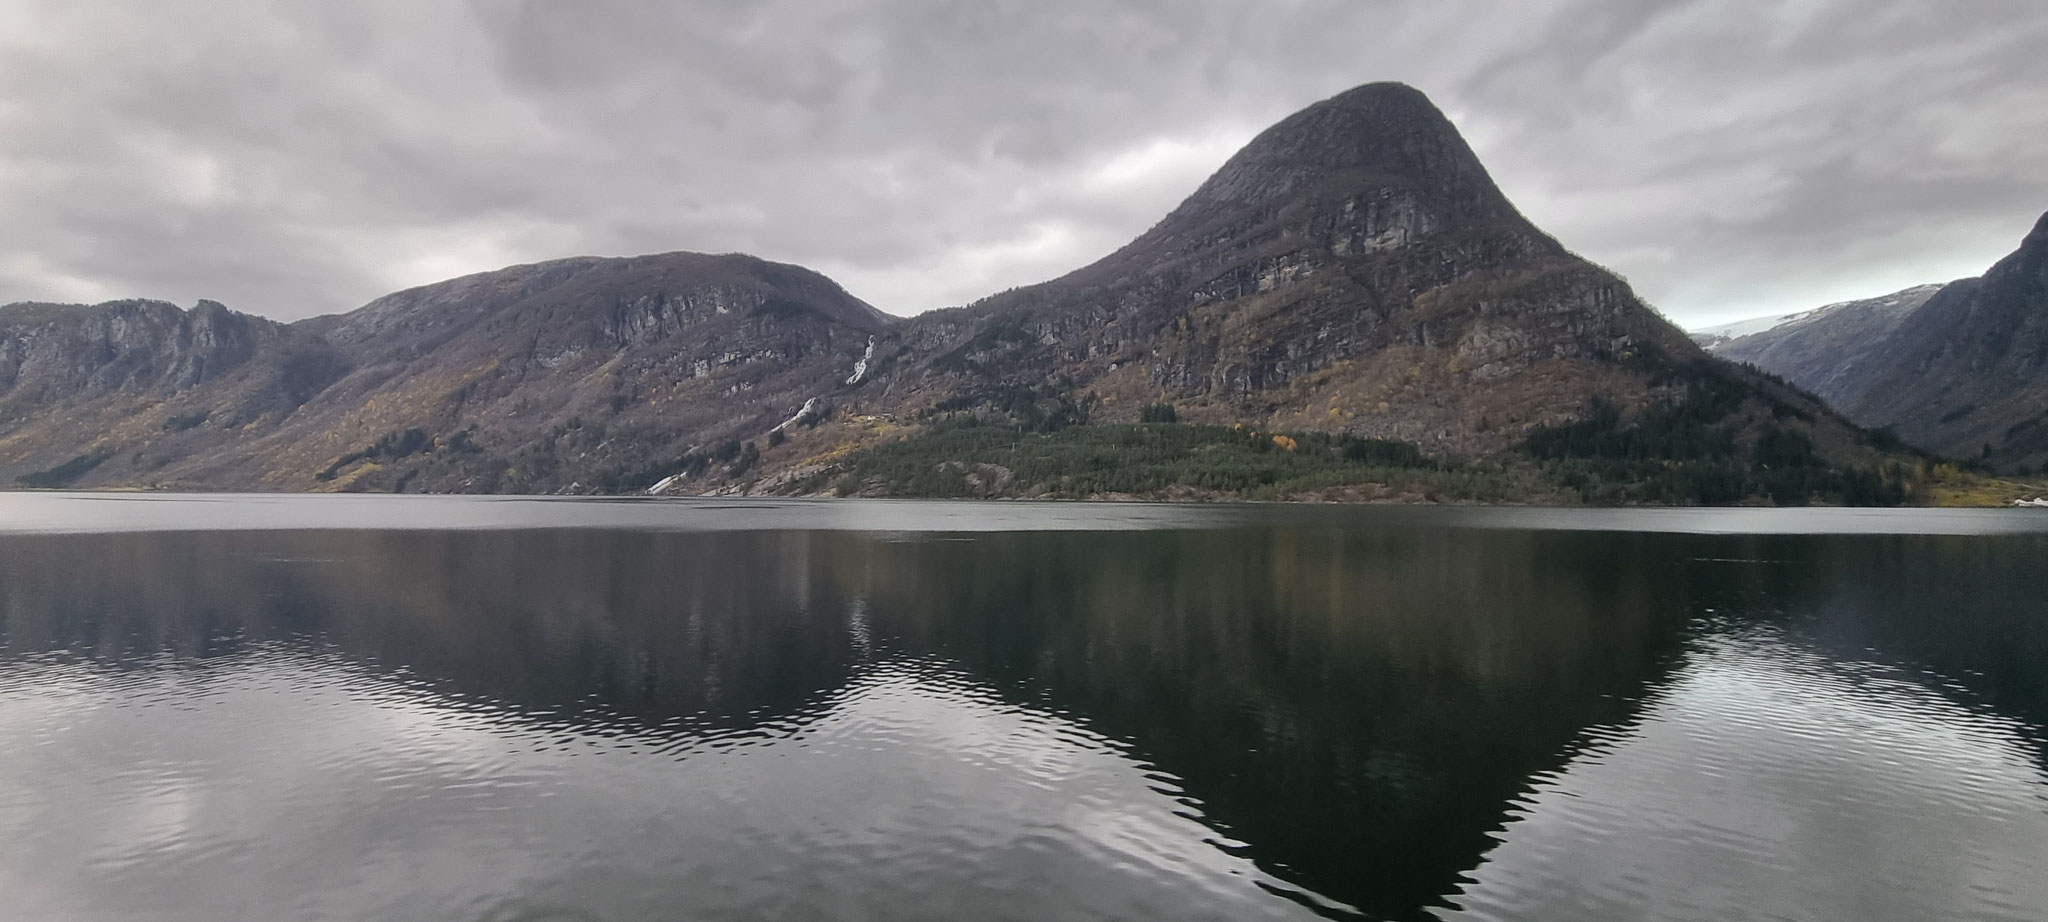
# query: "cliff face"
(59, 352)
(101, 393)
(1352, 270)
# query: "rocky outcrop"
(82, 384)
(57, 352)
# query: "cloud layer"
(295, 158)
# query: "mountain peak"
(2036, 240)
(1383, 90)
(1374, 168)
(2025, 270)
(1387, 133)
(1381, 109)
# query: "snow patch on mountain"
(1715, 336)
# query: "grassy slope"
(1162, 461)
(1697, 449)
(1948, 485)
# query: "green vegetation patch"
(1159, 413)
(976, 460)
(182, 422)
(392, 446)
(1684, 451)
(67, 472)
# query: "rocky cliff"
(101, 393)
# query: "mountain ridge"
(1967, 373)
(1960, 369)
(1353, 270)
(1712, 338)
(1821, 349)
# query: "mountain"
(1353, 268)
(567, 374)
(1822, 350)
(81, 385)
(1352, 276)
(1966, 375)
(573, 373)
(1959, 369)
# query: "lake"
(425, 708)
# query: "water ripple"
(1770, 781)
(288, 779)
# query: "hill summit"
(1353, 269)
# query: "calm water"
(473, 709)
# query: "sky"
(298, 157)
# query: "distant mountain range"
(1352, 273)
(1885, 311)
(1959, 369)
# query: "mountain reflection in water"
(1252, 721)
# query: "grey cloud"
(1736, 166)
(297, 158)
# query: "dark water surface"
(227, 708)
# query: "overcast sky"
(1730, 158)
